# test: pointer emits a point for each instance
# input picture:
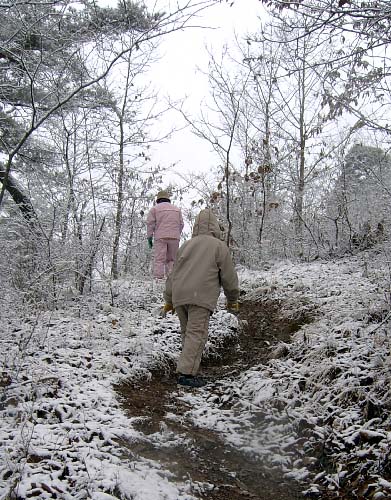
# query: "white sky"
(179, 74)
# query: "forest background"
(297, 118)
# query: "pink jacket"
(164, 221)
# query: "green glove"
(150, 242)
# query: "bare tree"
(303, 128)
(357, 78)
(219, 121)
(48, 62)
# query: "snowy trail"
(315, 413)
(161, 411)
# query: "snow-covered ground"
(324, 398)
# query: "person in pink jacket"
(164, 228)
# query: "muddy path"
(200, 455)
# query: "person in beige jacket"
(203, 265)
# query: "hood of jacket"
(206, 223)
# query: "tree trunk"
(119, 208)
(87, 271)
(130, 239)
(20, 198)
(301, 173)
(266, 163)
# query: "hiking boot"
(190, 381)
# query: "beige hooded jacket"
(203, 264)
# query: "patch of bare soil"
(154, 406)
(264, 325)
(204, 458)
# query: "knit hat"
(162, 194)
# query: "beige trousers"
(194, 322)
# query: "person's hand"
(233, 307)
(150, 242)
(167, 308)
